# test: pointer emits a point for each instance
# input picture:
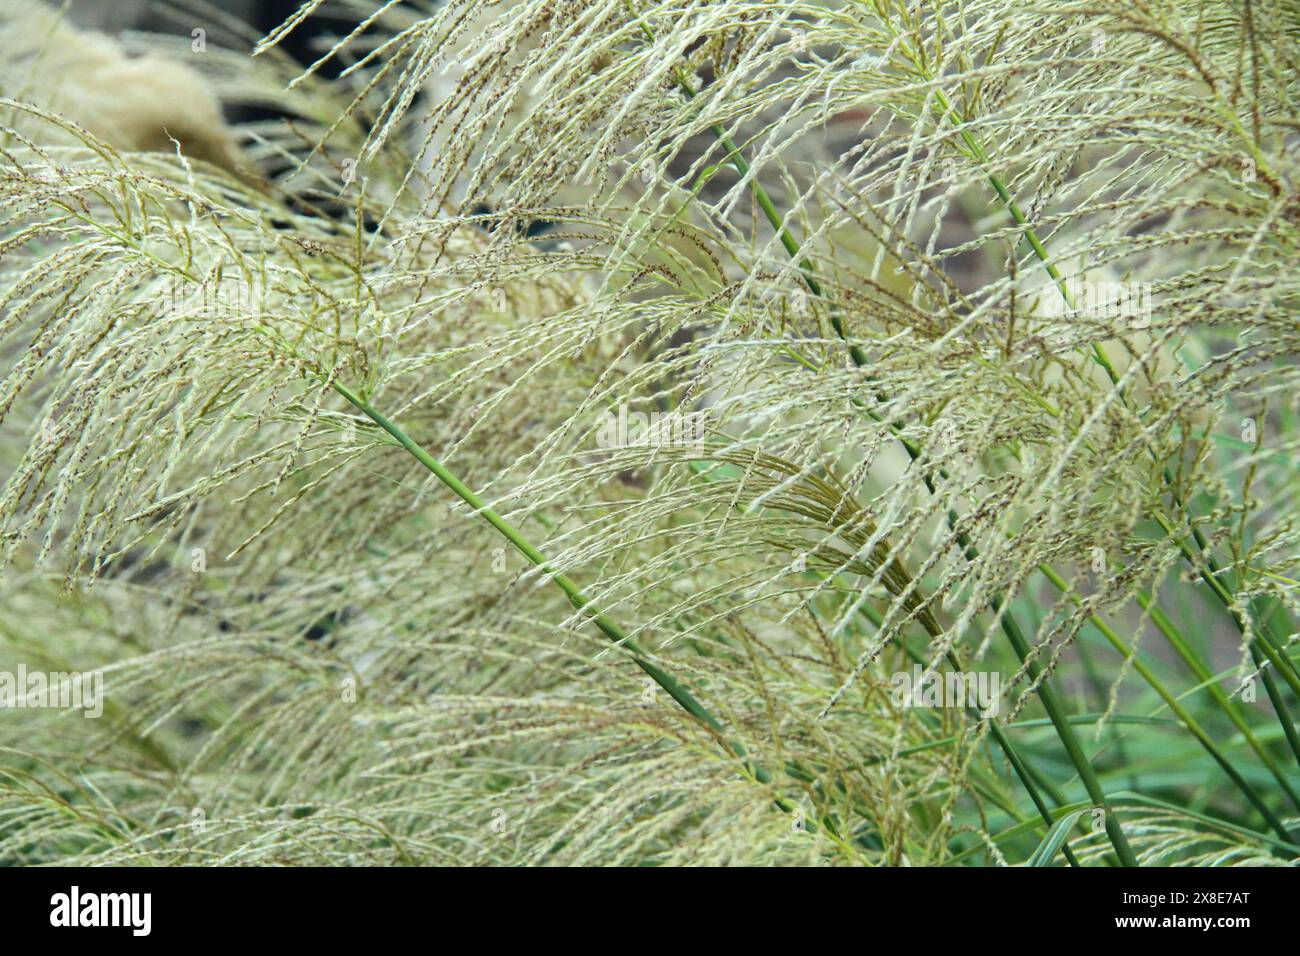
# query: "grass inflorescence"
(332, 441)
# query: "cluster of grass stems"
(783, 747)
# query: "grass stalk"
(1190, 722)
(1201, 559)
(1113, 828)
(678, 692)
(579, 600)
(1178, 641)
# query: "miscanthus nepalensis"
(987, 315)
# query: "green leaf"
(1055, 838)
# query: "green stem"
(579, 600)
(1180, 644)
(1202, 560)
(1047, 694)
(1022, 770)
(1203, 738)
(792, 247)
(1171, 701)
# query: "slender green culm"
(579, 600)
(1113, 828)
